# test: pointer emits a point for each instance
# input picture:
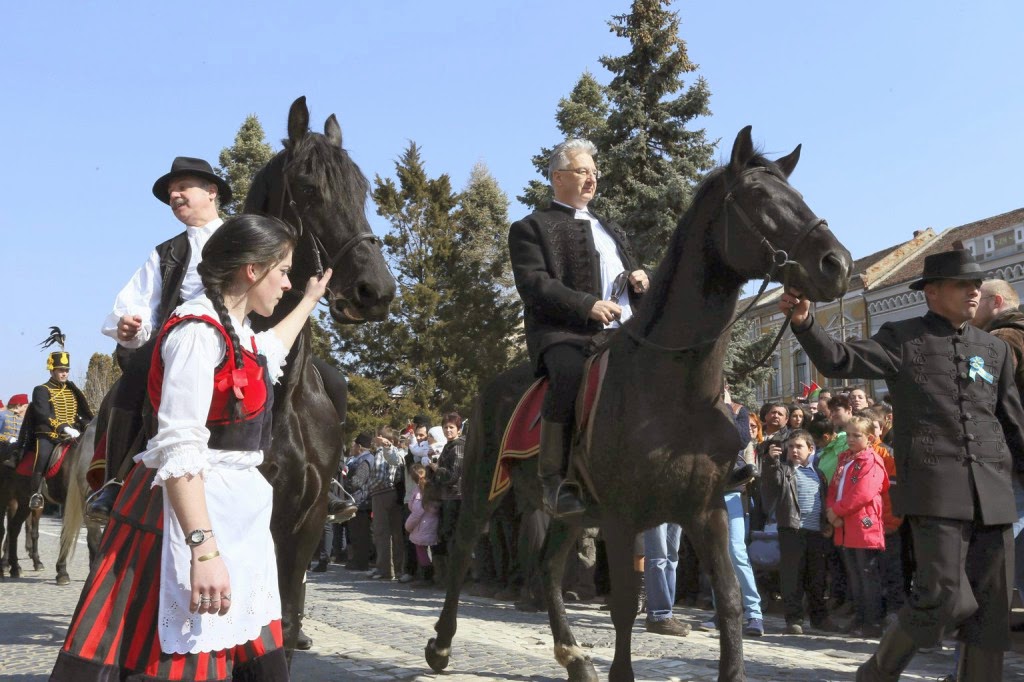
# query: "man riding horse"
(58, 414)
(167, 279)
(577, 275)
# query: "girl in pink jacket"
(855, 511)
(421, 525)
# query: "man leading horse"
(577, 275)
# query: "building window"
(776, 376)
(970, 247)
(1018, 234)
(990, 244)
(801, 370)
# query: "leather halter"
(287, 199)
(780, 260)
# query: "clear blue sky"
(909, 112)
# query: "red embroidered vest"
(250, 385)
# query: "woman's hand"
(211, 584)
(639, 281)
(316, 288)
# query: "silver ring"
(205, 600)
(226, 596)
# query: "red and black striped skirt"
(113, 634)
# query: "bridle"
(318, 249)
(780, 261)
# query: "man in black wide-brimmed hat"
(167, 279)
(959, 440)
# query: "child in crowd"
(424, 518)
(893, 587)
(855, 512)
(795, 489)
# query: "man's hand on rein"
(791, 302)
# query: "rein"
(287, 199)
(780, 260)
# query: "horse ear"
(333, 131)
(787, 163)
(298, 120)
(742, 151)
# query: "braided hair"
(242, 240)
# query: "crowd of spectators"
(812, 531)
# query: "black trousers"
(804, 568)
(865, 580)
(563, 364)
(963, 582)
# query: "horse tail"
(74, 506)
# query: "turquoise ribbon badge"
(978, 370)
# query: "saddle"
(521, 439)
(27, 462)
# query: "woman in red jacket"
(855, 511)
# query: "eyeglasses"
(582, 172)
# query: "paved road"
(366, 630)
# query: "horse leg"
(560, 539)
(713, 529)
(13, 531)
(620, 542)
(474, 512)
(32, 538)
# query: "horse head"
(768, 229)
(314, 185)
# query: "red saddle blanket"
(97, 473)
(522, 435)
(56, 459)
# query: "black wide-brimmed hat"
(187, 165)
(956, 264)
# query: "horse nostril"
(833, 266)
(365, 294)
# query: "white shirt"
(610, 262)
(141, 296)
(238, 498)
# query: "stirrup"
(565, 487)
(35, 501)
(94, 510)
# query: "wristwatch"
(198, 537)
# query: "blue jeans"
(738, 553)
(661, 557)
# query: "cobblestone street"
(368, 630)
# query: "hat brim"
(970, 276)
(160, 186)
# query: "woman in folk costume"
(56, 416)
(185, 587)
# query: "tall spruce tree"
(454, 322)
(240, 161)
(746, 348)
(99, 377)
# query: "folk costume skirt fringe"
(113, 634)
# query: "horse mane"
(333, 174)
(681, 239)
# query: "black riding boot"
(978, 664)
(893, 655)
(559, 500)
(35, 501)
(122, 429)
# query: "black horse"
(661, 444)
(315, 186)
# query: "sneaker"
(380, 576)
(708, 625)
(754, 627)
(669, 626)
(406, 578)
(794, 629)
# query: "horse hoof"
(38, 566)
(435, 659)
(63, 579)
(582, 670)
(15, 571)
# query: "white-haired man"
(577, 275)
